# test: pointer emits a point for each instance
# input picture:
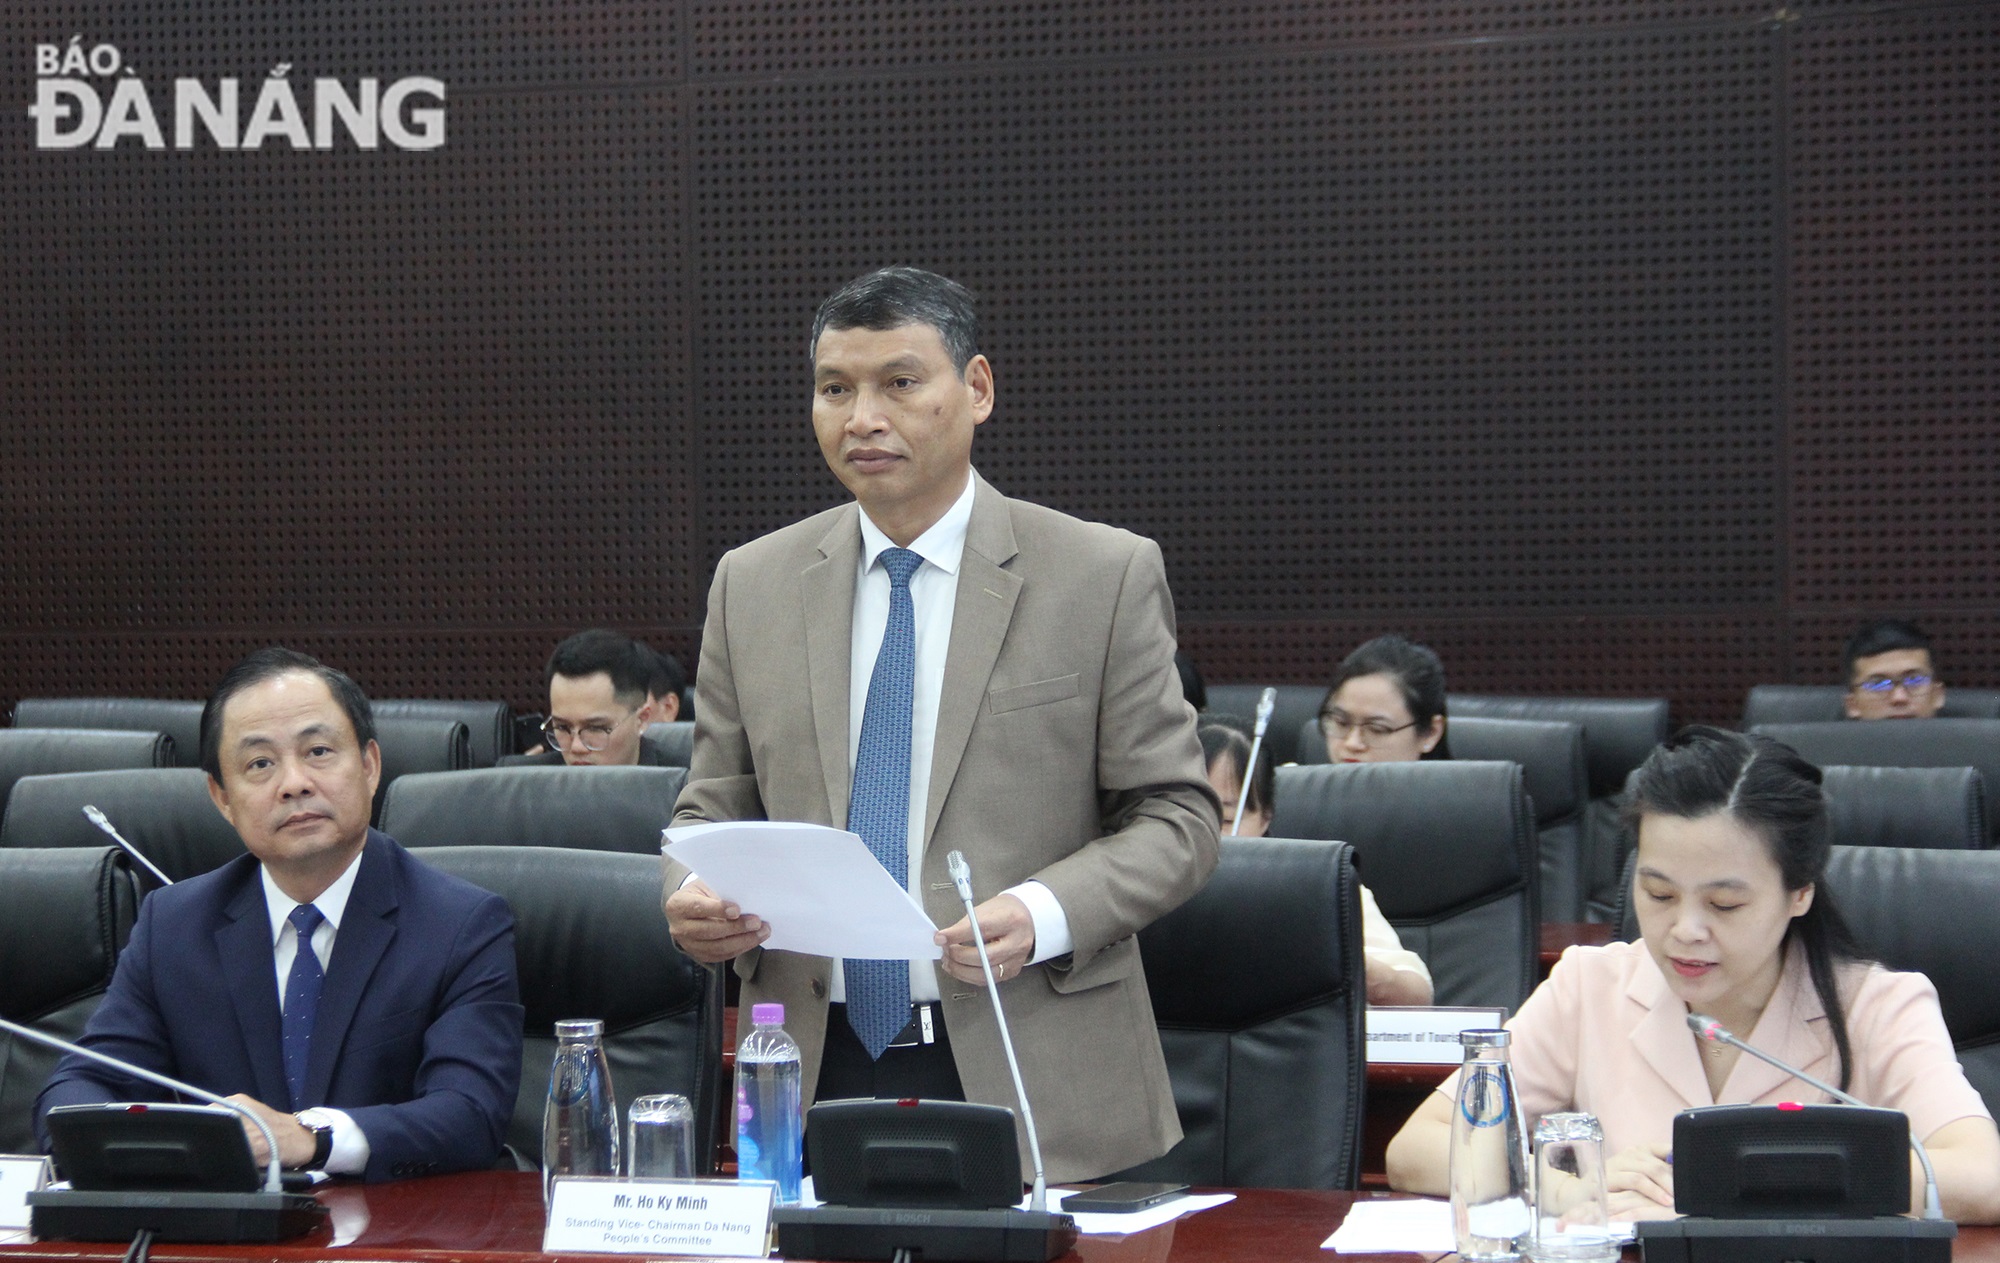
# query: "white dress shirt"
(350, 1147)
(934, 598)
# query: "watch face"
(313, 1120)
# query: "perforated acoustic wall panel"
(1614, 347)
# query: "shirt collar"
(943, 545)
(332, 902)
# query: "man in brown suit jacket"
(1061, 755)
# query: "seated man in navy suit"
(365, 1005)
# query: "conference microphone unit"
(1266, 703)
(1778, 1183)
(935, 1147)
(206, 1215)
(99, 819)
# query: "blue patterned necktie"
(302, 1002)
(878, 809)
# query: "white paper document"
(818, 888)
(1125, 1223)
(1416, 1225)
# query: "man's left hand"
(295, 1143)
(1010, 941)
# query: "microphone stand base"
(936, 1236)
(1891, 1239)
(209, 1218)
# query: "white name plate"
(711, 1217)
(19, 1176)
(1426, 1036)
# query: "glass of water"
(1572, 1220)
(659, 1131)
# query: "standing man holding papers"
(937, 667)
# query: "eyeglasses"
(1337, 724)
(1914, 683)
(594, 737)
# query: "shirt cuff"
(350, 1145)
(1052, 936)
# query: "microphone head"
(1265, 705)
(961, 873)
(96, 817)
(1706, 1027)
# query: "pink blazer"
(1606, 1035)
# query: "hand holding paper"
(817, 889)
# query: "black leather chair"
(1296, 703)
(44, 751)
(1933, 808)
(1557, 779)
(489, 726)
(164, 812)
(64, 917)
(1258, 988)
(1448, 848)
(1973, 743)
(590, 943)
(587, 808)
(678, 739)
(1827, 703)
(415, 746)
(1618, 734)
(178, 718)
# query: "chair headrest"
(676, 738)
(44, 751)
(1906, 806)
(1549, 751)
(1618, 732)
(1428, 837)
(589, 939)
(1929, 911)
(489, 726)
(73, 910)
(592, 808)
(177, 717)
(1973, 743)
(165, 812)
(1269, 920)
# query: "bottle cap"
(768, 1014)
(580, 1028)
(1485, 1039)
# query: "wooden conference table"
(496, 1217)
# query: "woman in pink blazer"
(1732, 842)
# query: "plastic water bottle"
(769, 1121)
(580, 1121)
(1491, 1209)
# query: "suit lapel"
(826, 600)
(243, 944)
(366, 928)
(984, 609)
(1662, 1038)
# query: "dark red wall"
(1624, 348)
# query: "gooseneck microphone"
(1265, 705)
(98, 818)
(1711, 1030)
(961, 877)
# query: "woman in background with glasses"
(1396, 975)
(1386, 705)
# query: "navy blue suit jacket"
(418, 1037)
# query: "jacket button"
(818, 989)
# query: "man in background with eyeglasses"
(604, 688)
(1890, 674)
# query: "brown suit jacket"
(1065, 753)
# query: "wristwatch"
(320, 1125)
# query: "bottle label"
(1482, 1097)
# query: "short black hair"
(269, 663)
(1417, 671)
(668, 676)
(891, 297)
(595, 650)
(1884, 635)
